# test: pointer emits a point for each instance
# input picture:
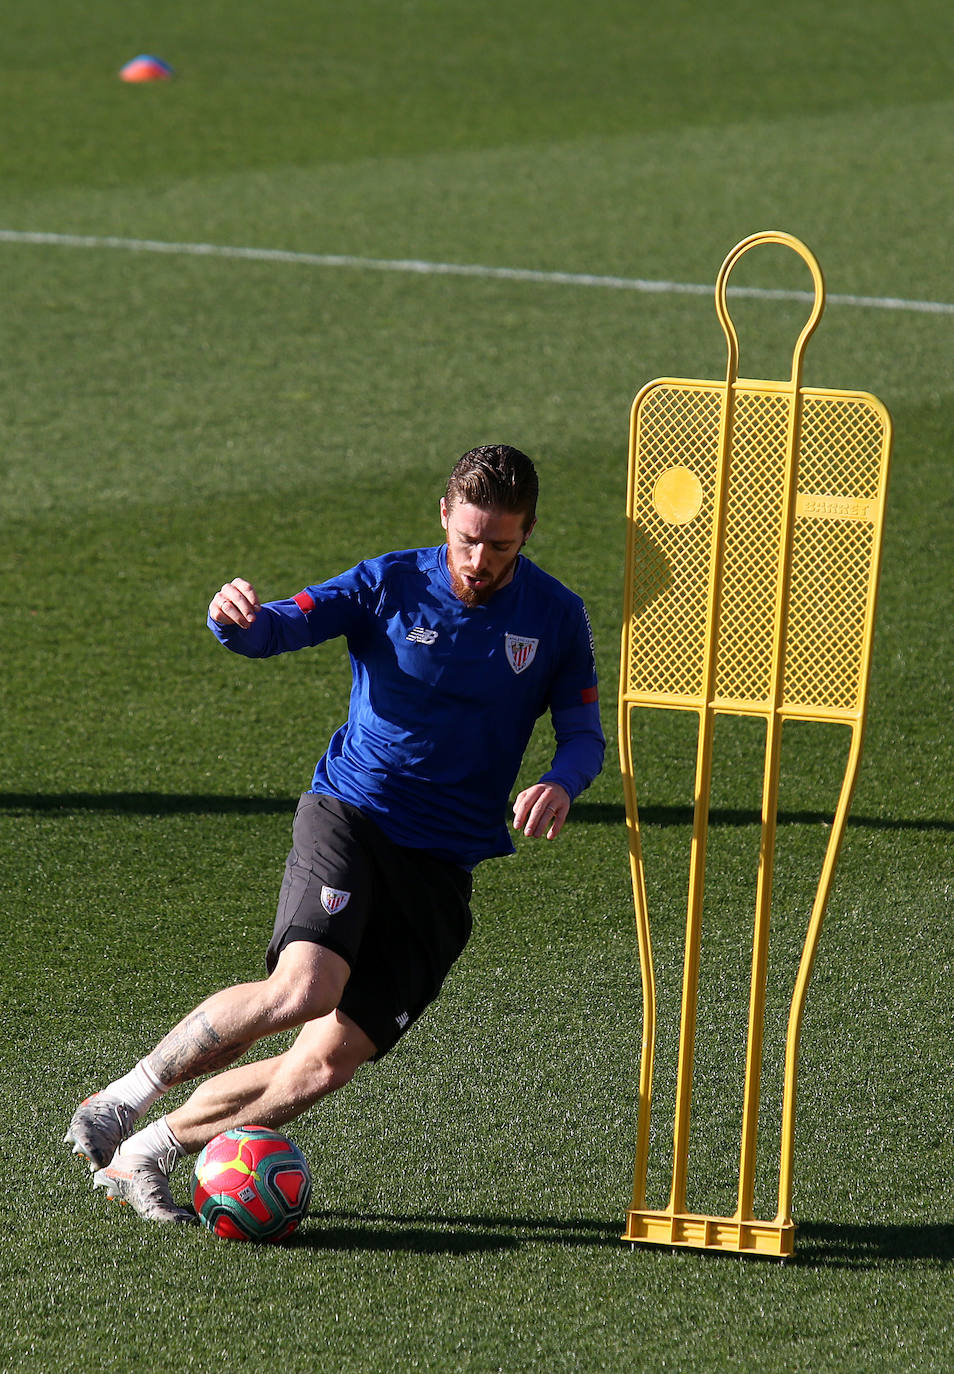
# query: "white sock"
(154, 1144)
(139, 1088)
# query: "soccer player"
(455, 652)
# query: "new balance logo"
(419, 635)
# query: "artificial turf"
(168, 421)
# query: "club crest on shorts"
(520, 651)
(333, 899)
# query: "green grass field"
(170, 419)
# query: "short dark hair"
(495, 477)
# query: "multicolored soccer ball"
(251, 1183)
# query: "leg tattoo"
(193, 1048)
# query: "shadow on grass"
(609, 813)
(835, 1246)
(584, 812)
(451, 1235)
(817, 1244)
(146, 803)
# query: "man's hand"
(236, 604)
(541, 810)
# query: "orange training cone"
(146, 68)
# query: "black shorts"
(397, 916)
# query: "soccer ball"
(251, 1183)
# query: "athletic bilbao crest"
(520, 651)
(333, 899)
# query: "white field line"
(450, 269)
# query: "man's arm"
(543, 808)
(575, 713)
(239, 620)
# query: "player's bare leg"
(307, 983)
(270, 1092)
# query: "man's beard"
(477, 596)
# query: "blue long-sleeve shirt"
(444, 696)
